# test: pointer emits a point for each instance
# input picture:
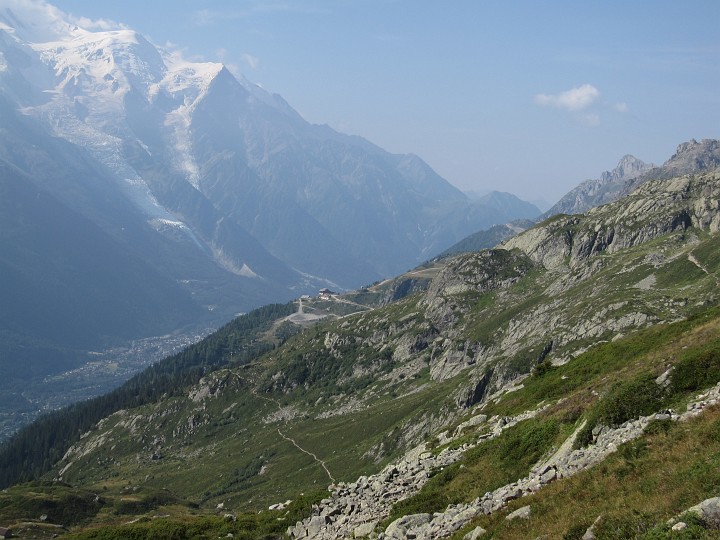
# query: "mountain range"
(630, 172)
(146, 195)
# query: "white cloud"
(622, 107)
(251, 60)
(97, 25)
(590, 119)
(573, 100)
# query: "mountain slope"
(488, 238)
(346, 396)
(510, 204)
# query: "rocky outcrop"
(404, 287)
(563, 464)
(352, 507)
(656, 208)
(355, 509)
(472, 274)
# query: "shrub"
(697, 370)
(630, 399)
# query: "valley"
(143, 194)
(102, 372)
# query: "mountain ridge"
(690, 157)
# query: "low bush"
(697, 369)
(630, 399)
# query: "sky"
(526, 96)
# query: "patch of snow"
(247, 272)
(185, 83)
(231, 266)
(85, 71)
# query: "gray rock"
(397, 529)
(548, 476)
(315, 526)
(590, 532)
(365, 529)
(709, 512)
(521, 513)
(476, 533)
(679, 526)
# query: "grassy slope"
(646, 482)
(635, 490)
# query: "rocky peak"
(694, 156)
(657, 207)
(691, 157)
(605, 189)
(628, 167)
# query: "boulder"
(397, 529)
(476, 533)
(365, 529)
(521, 513)
(709, 512)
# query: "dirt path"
(317, 459)
(697, 263)
(290, 439)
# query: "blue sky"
(530, 97)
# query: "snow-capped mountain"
(208, 194)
